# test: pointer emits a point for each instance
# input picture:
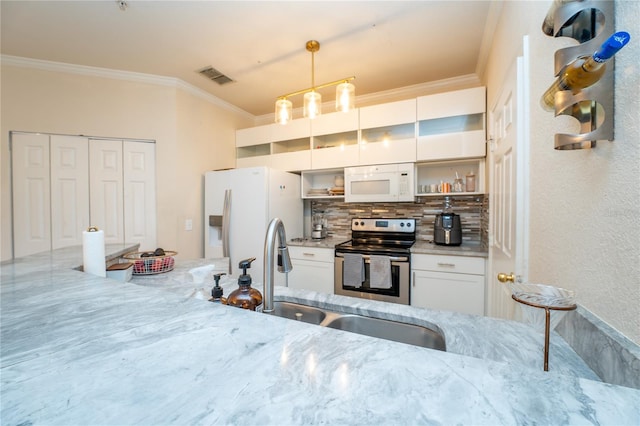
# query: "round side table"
(539, 301)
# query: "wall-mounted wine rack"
(590, 22)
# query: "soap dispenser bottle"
(217, 291)
(245, 296)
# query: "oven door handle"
(391, 258)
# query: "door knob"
(503, 278)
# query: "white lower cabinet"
(312, 269)
(450, 283)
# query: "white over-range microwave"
(382, 183)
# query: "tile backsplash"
(473, 211)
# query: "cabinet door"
(446, 146)
(31, 193)
(106, 182)
(451, 125)
(256, 161)
(312, 269)
(388, 152)
(462, 293)
(388, 133)
(291, 161)
(340, 156)
(69, 190)
(451, 104)
(337, 122)
(254, 135)
(139, 179)
(335, 140)
(311, 275)
(388, 114)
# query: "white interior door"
(106, 180)
(507, 180)
(31, 193)
(140, 193)
(69, 190)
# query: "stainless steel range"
(376, 263)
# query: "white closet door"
(31, 193)
(69, 190)
(106, 180)
(140, 194)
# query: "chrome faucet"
(284, 261)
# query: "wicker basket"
(149, 265)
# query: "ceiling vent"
(214, 75)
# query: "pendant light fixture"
(345, 94)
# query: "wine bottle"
(584, 71)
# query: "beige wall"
(584, 205)
(192, 136)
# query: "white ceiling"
(259, 44)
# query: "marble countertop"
(420, 247)
(81, 349)
(465, 249)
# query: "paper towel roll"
(93, 260)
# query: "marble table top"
(81, 349)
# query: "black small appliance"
(447, 230)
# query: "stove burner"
(380, 236)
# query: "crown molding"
(137, 77)
(422, 89)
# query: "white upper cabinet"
(389, 114)
(291, 145)
(335, 140)
(450, 104)
(335, 122)
(451, 125)
(274, 145)
(253, 146)
(387, 133)
(253, 135)
(445, 126)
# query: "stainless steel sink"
(374, 327)
(390, 330)
(298, 312)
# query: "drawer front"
(457, 264)
(311, 253)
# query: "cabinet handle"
(451, 265)
(308, 254)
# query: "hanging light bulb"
(312, 104)
(345, 97)
(284, 111)
(345, 94)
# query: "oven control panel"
(384, 225)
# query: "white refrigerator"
(238, 207)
